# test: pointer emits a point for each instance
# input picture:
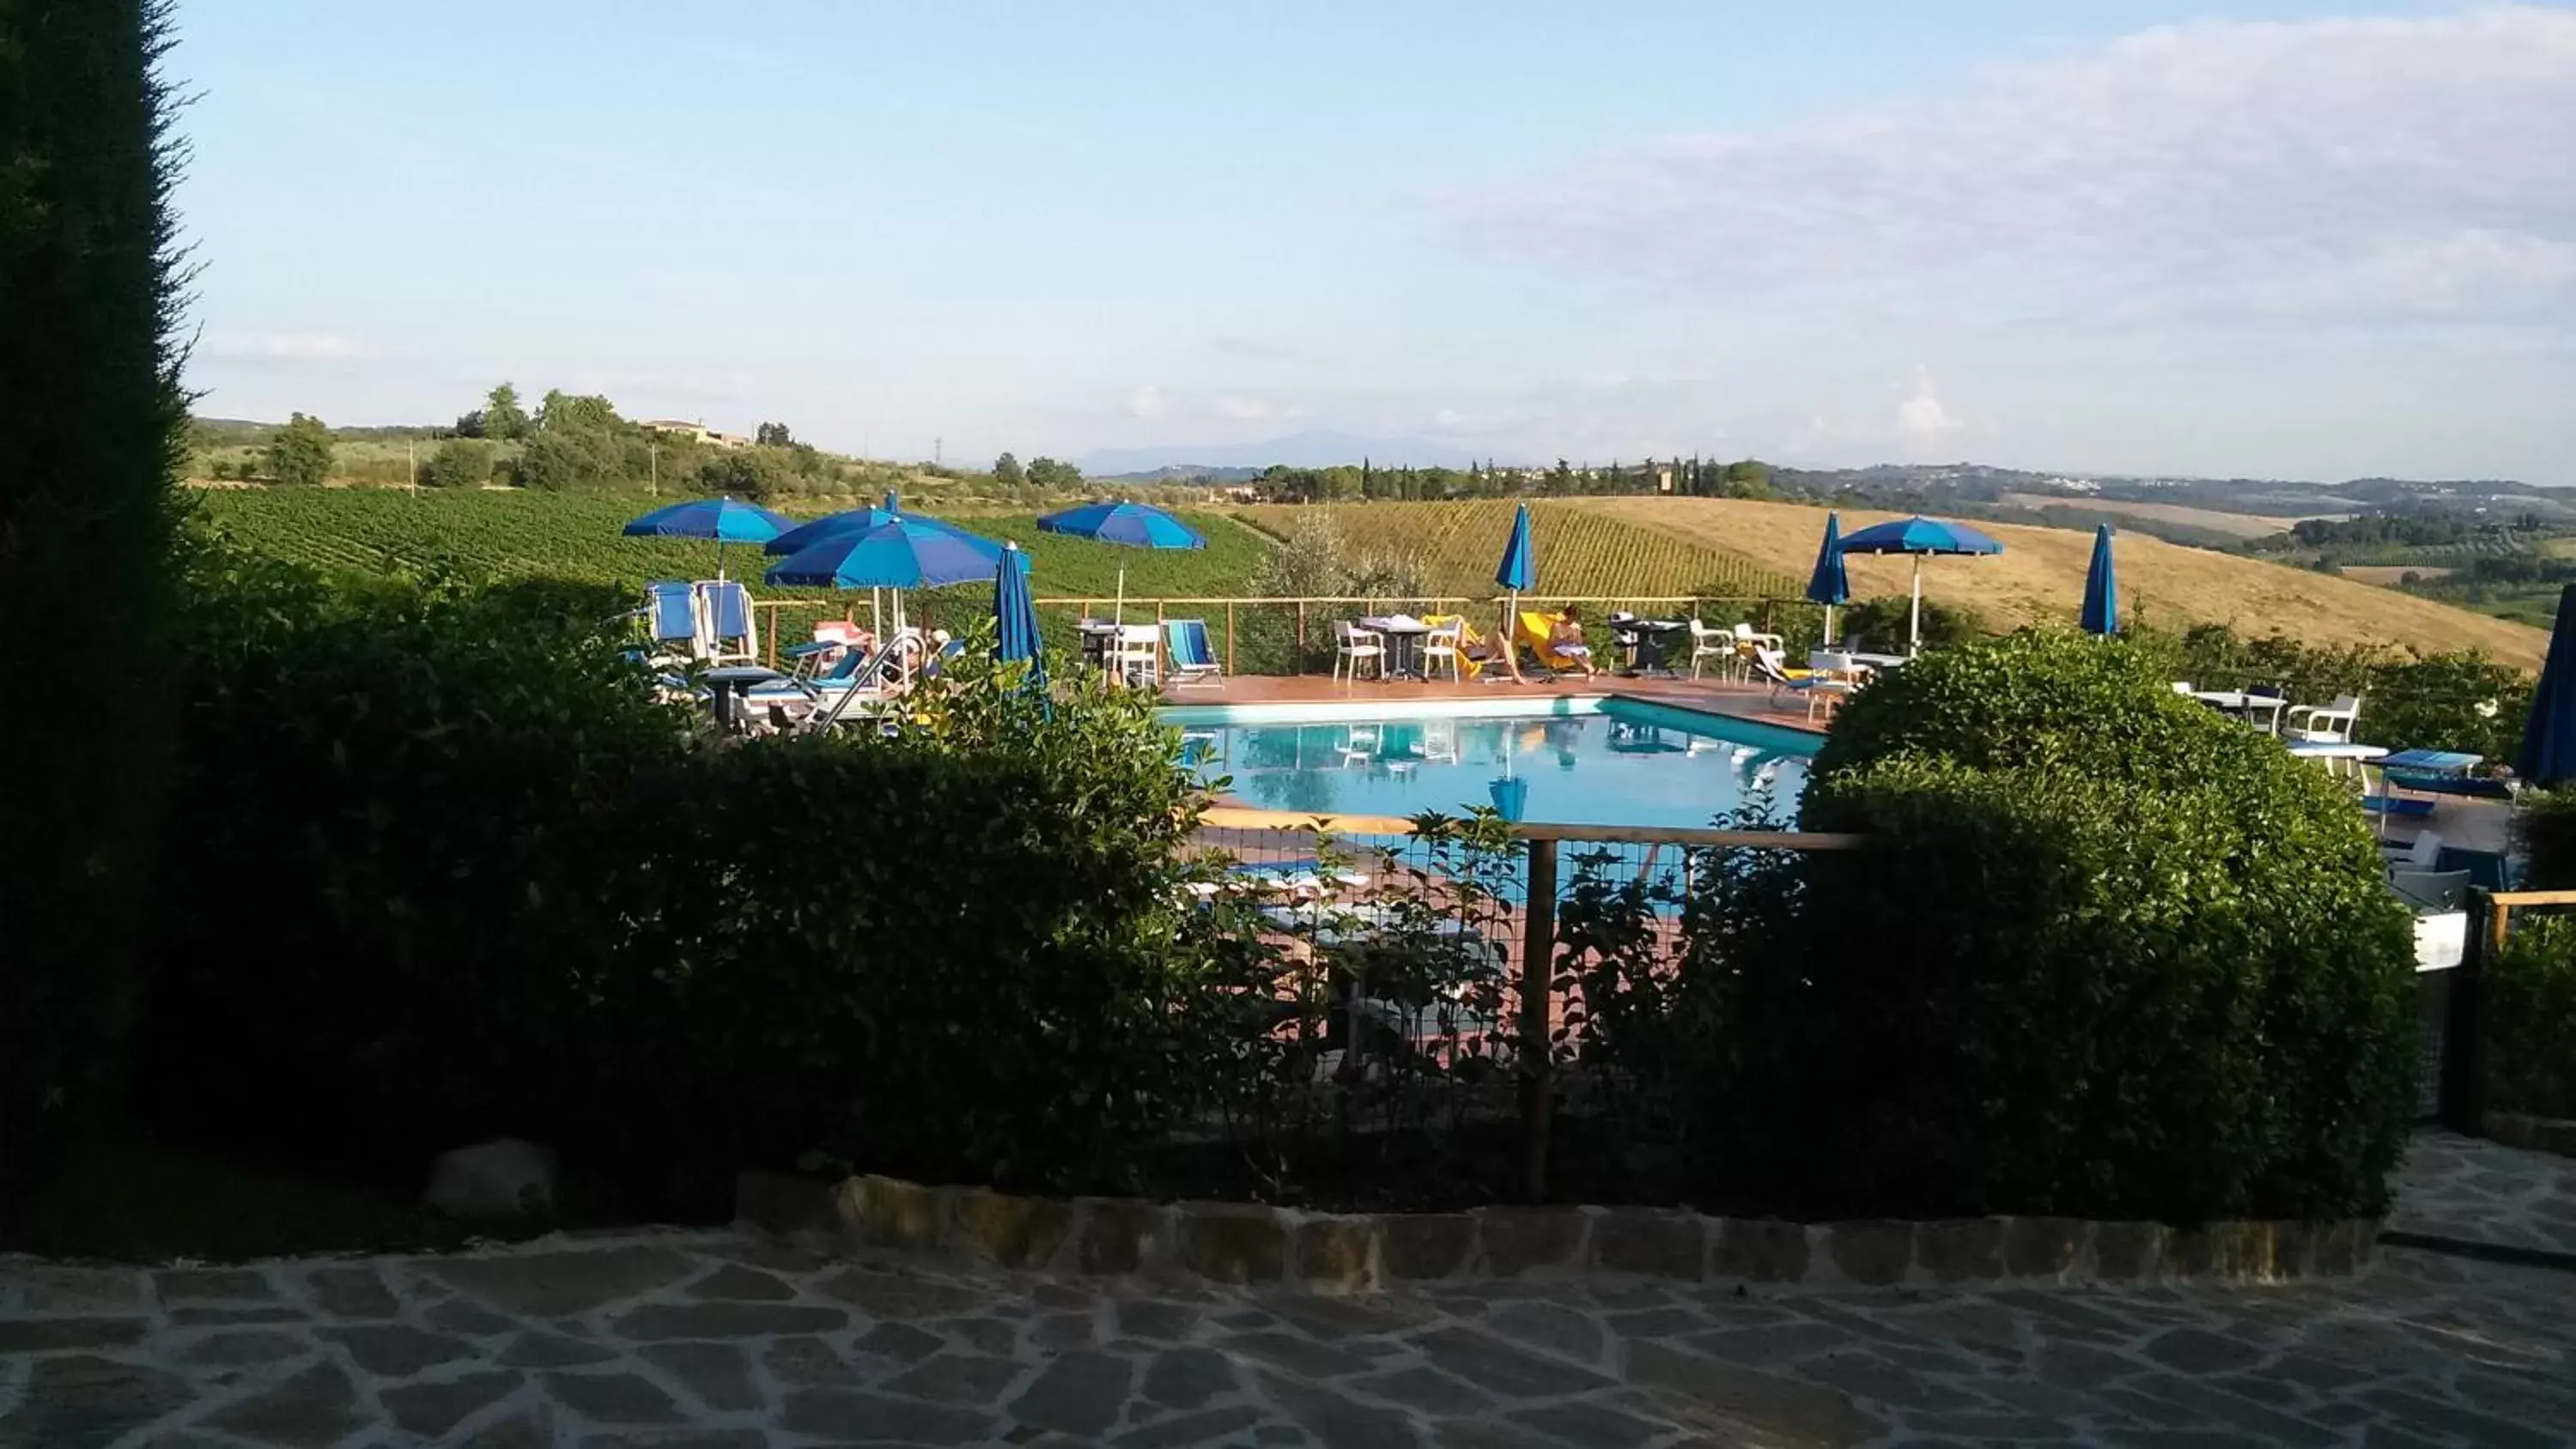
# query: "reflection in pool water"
(1579, 770)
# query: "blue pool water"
(1630, 764)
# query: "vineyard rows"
(573, 536)
(1580, 552)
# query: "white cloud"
(2372, 169)
(1146, 402)
(1242, 409)
(283, 347)
(1924, 424)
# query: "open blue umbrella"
(831, 525)
(1136, 525)
(907, 553)
(722, 519)
(2548, 753)
(2102, 587)
(1829, 585)
(1923, 538)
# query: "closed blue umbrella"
(2548, 753)
(1923, 538)
(1516, 574)
(722, 519)
(1135, 525)
(1829, 585)
(1015, 610)
(2102, 587)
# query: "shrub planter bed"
(2538, 1134)
(1232, 1243)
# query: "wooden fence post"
(1537, 1025)
(1299, 665)
(1229, 636)
(2465, 1023)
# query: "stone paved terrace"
(718, 1338)
(2468, 1190)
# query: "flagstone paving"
(718, 1339)
(2471, 1190)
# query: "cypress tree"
(92, 427)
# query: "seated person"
(1565, 637)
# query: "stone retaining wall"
(2538, 1134)
(1248, 1243)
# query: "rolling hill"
(2041, 576)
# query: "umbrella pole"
(1120, 615)
(1829, 626)
(1914, 643)
(1510, 642)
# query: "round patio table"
(1404, 635)
(2244, 705)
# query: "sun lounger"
(1538, 631)
(1190, 658)
(725, 618)
(671, 621)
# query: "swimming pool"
(1582, 762)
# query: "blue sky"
(2285, 239)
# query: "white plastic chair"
(2329, 725)
(1445, 641)
(1713, 643)
(1354, 646)
(1136, 656)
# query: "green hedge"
(449, 871)
(2116, 956)
(2532, 1058)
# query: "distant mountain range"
(1314, 449)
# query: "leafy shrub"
(1887, 623)
(2544, 825)
(452, 872)
(459, 463)
(2531, 1060)
(2136, 960)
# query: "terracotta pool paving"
(719, 1338)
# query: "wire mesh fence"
(1432, 995)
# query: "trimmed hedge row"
(2119, 956)
(449, 871)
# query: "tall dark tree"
(503, 418)
(772, 435)
(92, 431)
(1006, 469)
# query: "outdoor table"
(1404, 635)
(730, 683)
(1648, 641)
(2244, 705)
(1877, 661)
(1095, 636)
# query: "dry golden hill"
(2040, 575)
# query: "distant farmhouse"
(699, 431)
